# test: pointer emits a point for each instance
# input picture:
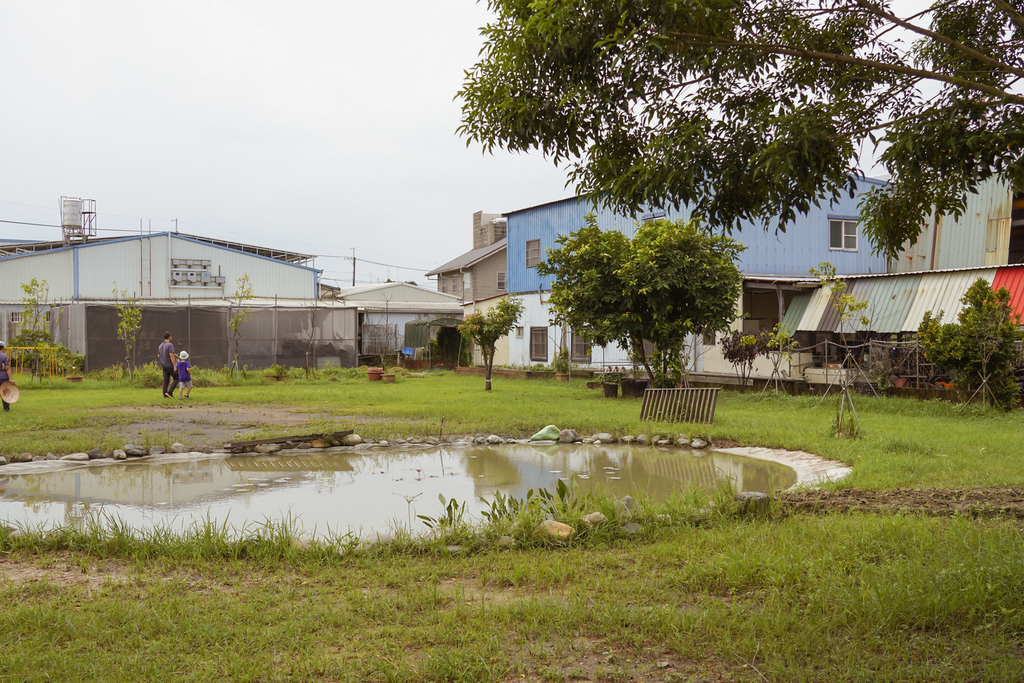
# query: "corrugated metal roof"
(890, 302)
(21, 248)
(795, 312)
(470, 257)
(395, 292)
(817, 307)
(1012, 277)
(942, 292)
(830, 322)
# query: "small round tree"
(485, 329)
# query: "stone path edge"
(810, 469)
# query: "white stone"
(76, 457)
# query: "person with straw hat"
(5, 374)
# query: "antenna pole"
(353, 266)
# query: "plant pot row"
(378, 375)
(631, 388)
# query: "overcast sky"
(312, 126)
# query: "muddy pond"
(366, 492)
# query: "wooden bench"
(680, 405)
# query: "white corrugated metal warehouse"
(185, 284)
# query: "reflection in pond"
(369, 491)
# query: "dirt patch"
(208, 425)
(976, 502)
(63, 569)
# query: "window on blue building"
(842, 235)
(532, 253)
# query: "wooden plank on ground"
(293, 439)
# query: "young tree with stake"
(485, 329)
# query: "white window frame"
(15, 317)
(532, 253)
(579, 341)
(536, 333)
(847, 234)
(502, 283)
(444, 284)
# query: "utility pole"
(353, 266)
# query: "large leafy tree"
(672, 279)
(980, 347)
(485, 329)
(758, 109)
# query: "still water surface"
(366, 492)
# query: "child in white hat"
(184, 376)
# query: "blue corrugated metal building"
(803, 246)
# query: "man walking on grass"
(168, 361)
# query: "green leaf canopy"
(756, 110)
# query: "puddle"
(366, 492)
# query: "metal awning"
(417, 332)
(1012, 277)
(942, 292)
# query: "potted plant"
(374, 374)
(276, 372)
(73, 375)
(560, 364)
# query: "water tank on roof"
(71, 213)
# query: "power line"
(41, 225)
(49, 225)
(376, 263)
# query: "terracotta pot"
(562, 376)
(374, 374)
(74, 378)
(389, 378)
(611, 390)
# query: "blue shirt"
(183, 374)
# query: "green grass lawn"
(695, 597)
